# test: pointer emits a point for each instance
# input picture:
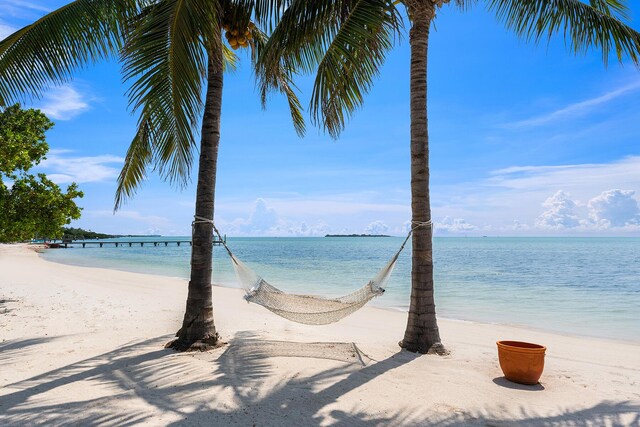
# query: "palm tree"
(170, 50)
(347, 41)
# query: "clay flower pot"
(521, 362)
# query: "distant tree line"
(80, 234)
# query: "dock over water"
(102, 243)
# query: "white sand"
(84, 346)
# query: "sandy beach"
(84, 346)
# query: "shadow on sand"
(194, 389)
(4, 305)
(615, 414)
(12, 350)
(503, 382)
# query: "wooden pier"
(158, 242)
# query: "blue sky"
(525, 140)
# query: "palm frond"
(583, 26)
(266, 13)
(237, 12)
(165, 58)
(465, 5)
(230, 59)
(48, 51)
(615, 8)
(304, 33)
(279, 78)
(352, 61)
(347, 40)
(139, 157)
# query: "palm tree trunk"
(422, 333)
(198, 330)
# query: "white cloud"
(517, 192)
(133, 215)
(6, 30)
(580, 178)
(22, 9)
(63, 169)
(576, 109)
(346, 213)
(154, 220)
(339, 204)
(611, 211)
(263, 217)
(263, 220)
(560, 214)
(63, 103)
(153, 231)
(304, 230)
(454, 225)
(377, 227)
(507, 202)
(614, 208)
(517, 225)
(129, 222)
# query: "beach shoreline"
(372, 305)
(84, 345)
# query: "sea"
(575, 286)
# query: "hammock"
(308, 309)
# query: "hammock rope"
(309, 309)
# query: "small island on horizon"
(357, 235)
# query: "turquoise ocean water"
(582, 286)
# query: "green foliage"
(22, 140)
(36, 206)
(584, 26)
(79, 234)
(345, 42)
(166, 55)
(58, 44)
(164, 46)
(165, 59)
(30, 205)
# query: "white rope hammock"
(309, 309)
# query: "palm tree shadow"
(606, 413)
(247, 366)
(12, 350)
(142, 369)
(238, 385)
(4, 305)
(174, 384)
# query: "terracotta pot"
(521, 362)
